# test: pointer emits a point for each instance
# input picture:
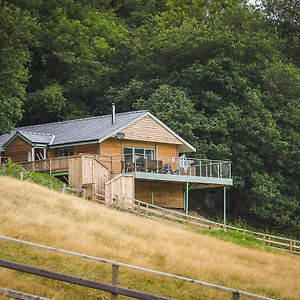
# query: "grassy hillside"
(37, 214)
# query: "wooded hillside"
(223, 74)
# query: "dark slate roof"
(74, 131)
(38, 138)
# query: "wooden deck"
(50, 165)
(62, 164)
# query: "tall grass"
(37, 214)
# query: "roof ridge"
(81, 119)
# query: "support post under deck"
(186, 198)
(224, 197)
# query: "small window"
(39, 153)
(150, 153)
(138, 155)
(65, 152)
(128, 155)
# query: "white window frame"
(145, 156)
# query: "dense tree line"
(224, 74)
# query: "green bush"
(14, 170)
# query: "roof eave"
(74, 144)
(17, 134)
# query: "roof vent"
(113, 115)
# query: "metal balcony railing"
(177, 166)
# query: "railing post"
(210, 169)
(235, 295)
(200, 168)
(221, 169)
(115, 273)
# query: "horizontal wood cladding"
(147, 129)
(51, 153)
(165, 194)
(168, 154)
(18, 150)
(88, 149)
(111, 152)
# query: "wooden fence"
(114, 289)
(19, 295)
(149, 210)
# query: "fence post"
(21, 176)
(292, 246)
(235, 295)
(64, 188)
(50, 166)
(139, 208)
(115, 273)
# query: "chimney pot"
(113, 116)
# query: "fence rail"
(79, 281)
(150, 210)
(235, 292)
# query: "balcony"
(179, 169)
(52, 165)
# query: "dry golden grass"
(34, 213)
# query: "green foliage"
(17, 35)
(240, 238)
(223, 74)
(16, 171)
(45, 105)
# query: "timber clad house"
(133, 155)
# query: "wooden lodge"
(131, 155)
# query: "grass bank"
(34, 213)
